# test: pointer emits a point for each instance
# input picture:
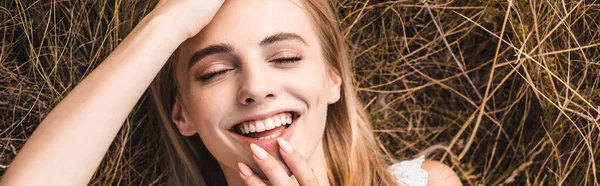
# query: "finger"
(248, 176)
(303, 173)
(269, 166)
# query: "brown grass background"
(505, 92)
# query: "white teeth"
(246, 128)
(277, 121)
(269, 124)
(265, 124)
(270, 136)
(283, 119)
(260, 126)
(252, 128)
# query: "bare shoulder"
(440, 174)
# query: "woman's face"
(254, 74)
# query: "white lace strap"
(409, 172)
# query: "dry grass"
(506, 92)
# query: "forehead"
(244, 23)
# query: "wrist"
(164, 27)
(184, 22)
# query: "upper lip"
(262, 116)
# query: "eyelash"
(285, 60)
(288, 59)
(209, 76)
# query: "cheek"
(309, 82)
(208, 108)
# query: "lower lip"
(269, 145)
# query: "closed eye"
(288, 59)
(209, 76)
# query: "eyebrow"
(225, 47)
(282, 36)
(210, 50)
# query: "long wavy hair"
(350, 147)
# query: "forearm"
(70, 143)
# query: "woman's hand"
(187, 17)
(277, 176)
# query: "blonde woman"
(253, 92)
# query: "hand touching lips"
(273, 171)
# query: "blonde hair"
(350, 147)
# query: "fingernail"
(260, 153)
(244, 169)
(285, 146)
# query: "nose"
(256, 86)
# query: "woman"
(265, 85)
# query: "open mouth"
(267, 128)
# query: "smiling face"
(254, 74)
